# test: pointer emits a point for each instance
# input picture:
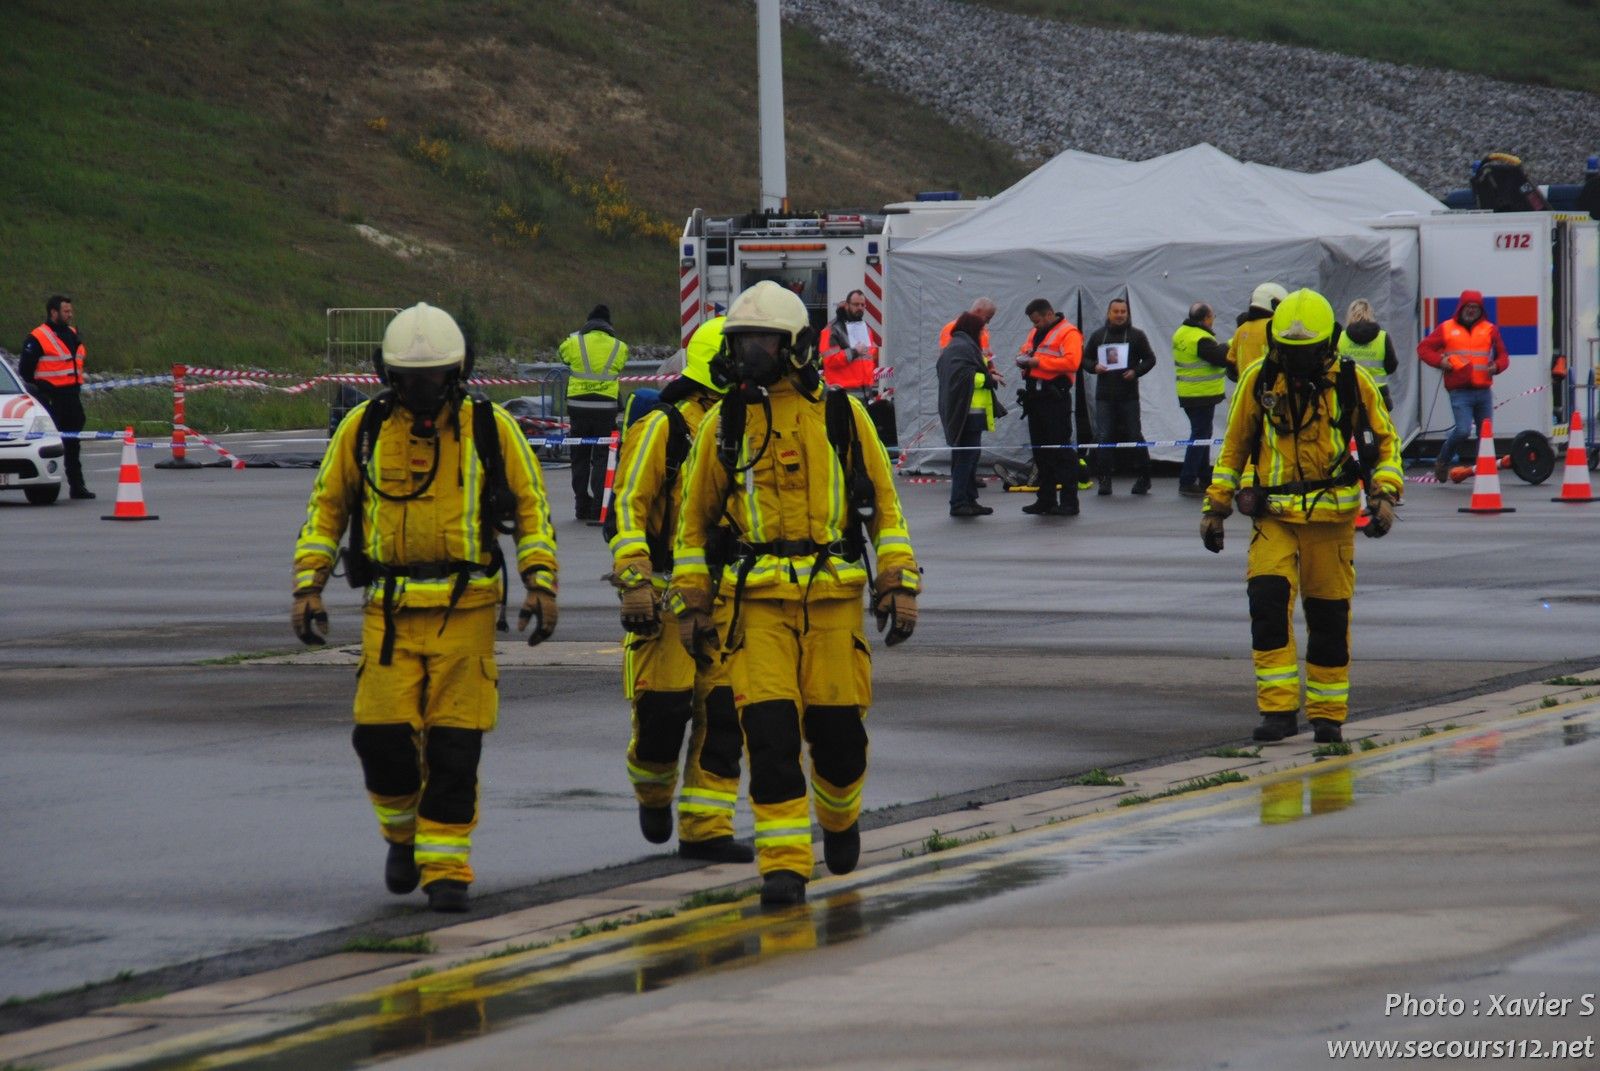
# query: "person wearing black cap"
(595, 355)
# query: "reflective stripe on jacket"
(58, 366)
(441, 525)
(1311, 455)
(1196, 378)
(1469, 353)
(794, 491)
(579, 351)
(982, 399)
(643, 512)
(1060, 352)
(1367, 355)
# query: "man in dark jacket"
(1119, 354)
(52, 367)
(966, 410)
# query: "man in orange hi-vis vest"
(1049, 358)
(52, 366)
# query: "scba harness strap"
(1351, 421)
(497, 515)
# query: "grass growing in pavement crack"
(1323, 751)
(936, 842)
(1549, 701)
(1227, 777)
(245, 656)
(1369, 744)
(1235, 753)
(1097, 776)
(609, 925)
(420, 945)
(1573, 681)
(707, 897)
(420, 972)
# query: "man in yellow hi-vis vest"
(595, 355)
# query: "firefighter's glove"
(1380, 516)
(1211, 528)
(538, 606)
(894, 604)
(309, 618)
(696, 629)
(639, 611)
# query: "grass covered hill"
(206, 178)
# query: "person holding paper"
(1118, 354)
(850, 348)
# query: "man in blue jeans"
(1468, 349)
(1199, 362)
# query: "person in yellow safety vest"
(668, 689)
(1369, 346)
(966, 411)
(1292, 420)
(1249, 342)
(783, 488)
(596, 357)
(426, 497)
(1199, 363)
(52, 365)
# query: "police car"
(30, 447)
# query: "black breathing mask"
(759, 360)
(423, 396)
(1305, 364)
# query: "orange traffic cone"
(130, 491)
(1486, 478)
(1575, 485)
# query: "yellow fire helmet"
(704, 345)
(1303, 319)
(423, 337)
(767, 307)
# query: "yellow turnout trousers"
(1317, 560)
(669, 692)
(419, 729)
(802, 672)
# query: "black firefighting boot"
(841, 851)
(1275, 727)
(400, 869)
(782, 888)
(1327, 731)
(717, 850)
(655, 823)
(446, 896)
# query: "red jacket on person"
(841, 367)
(1469, 357)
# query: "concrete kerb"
(306, 971)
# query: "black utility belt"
(430, 570)
(796, 548)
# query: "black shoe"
(1066, 509)
(400, 869)
(984, 511)
(80, 493)
(966, 509)
(1191, 490)
(1327, 731)
(782, 888)
(1141, 486)
(1040, 508)
(446, 896)
(1105, 486)
(655, 823)
(842, 851)
(1275, 727)
(717, 850)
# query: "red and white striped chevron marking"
(872, 283)
(688, 299)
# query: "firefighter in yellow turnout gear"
(776, 522)
(668, 689)
(426, 497)
(1293, 416)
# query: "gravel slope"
(1045, 86)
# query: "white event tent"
(1194, 225)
